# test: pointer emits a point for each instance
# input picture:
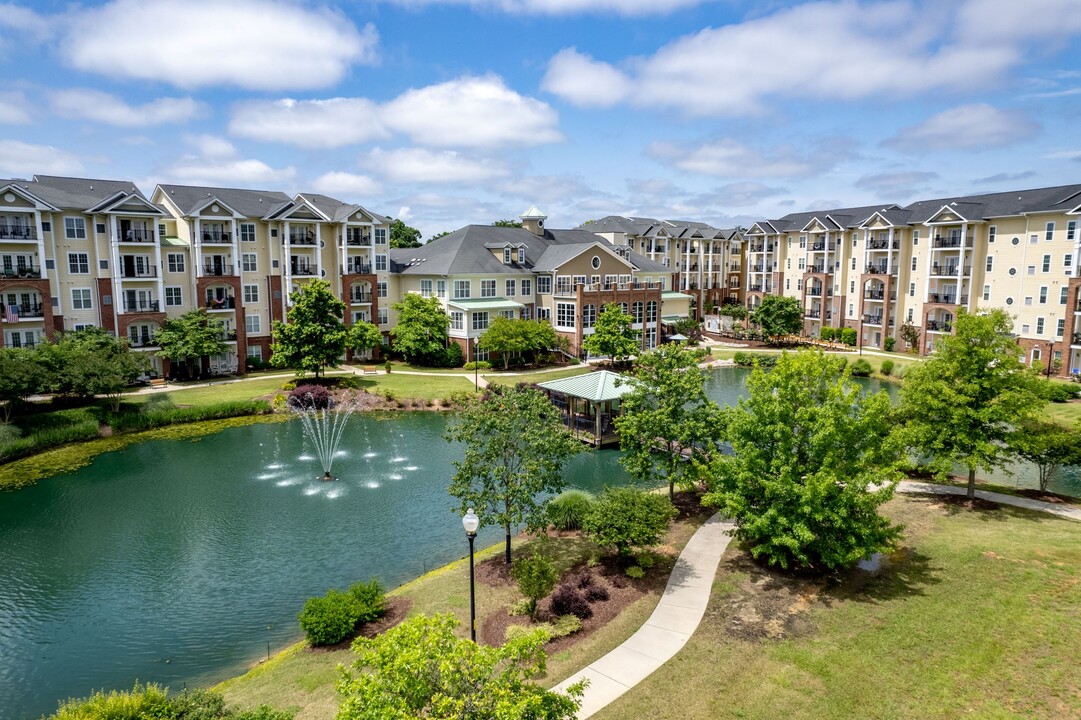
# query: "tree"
(628, 518)
(536, 576)
(506, 336)
(612, 335)
(1046, 445)
(813, 460)
(421, 669)
(515, 449)
(92, 362)
(403, 236)
(666, 427)
(689, 328)
(314, 336)
(191, 337)
(911, 335)
(507, 223)
(364, 336)
(421, 332)
(439, 235)
(21, 375)
(778, 315)
(733, 310)
(960, 405)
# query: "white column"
(319, 250)
(116, 271)
(236, 247)
(157, 264)
(197, 247)
(287, 265)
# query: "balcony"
(24, 311)
(817, 314)
(221, 303)
(946, 298)
(872, 319)
(146, 273)
(360, 298)
(227, 336)
(758, 268)
(217, 269)
(876, 270)
(950, 241)
(814, 292)
(358, 239)
(303, 270)
(1076, 339)
(821, 246)
(217, 237)
(358, 268)
(20, 271)
(133, 306)
(141, 341)
(134, 235)
(875, 294)
(306, 237)
(939, 326)
(883, 245)
(754, 288)
(950, 270)
(18, 232)
(817, 269)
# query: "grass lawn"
(512, 378)
(1063, 413)
(303, 679)
(979, 617)
(419, 387)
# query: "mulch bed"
(397, 608)
(1047, 497)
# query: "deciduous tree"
(506, 336)
(515, 449)
(314, 336)
(421, 331)
(22, 374)
(628, 518)
(1046, 445)
(813, 459)
(960, 405)
(92, 362)
(403, 236)
(364, 336)
(779, 315)
(507, 223)
(191, 337)
(612, 335)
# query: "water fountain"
(324, 428)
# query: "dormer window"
(506, 256)
(521, 256)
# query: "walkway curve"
(687, 594)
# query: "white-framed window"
(382, 316)
(1046, 266)
(1071, 229)
(544, 284)
(915, 241)
(380, 262)
(1067, 263)
(380, 236)
(527, 313)
(81, 299)
(175, 262)
(479, 354)
(462, 289)
(441, 288)
(508, 314)
(992, 231)
(480, 320)
(174, 296)
(381, 289)
(1064, 293)
(487, 288)
(1060, 326)
(425, 288)
(990, 263)
(565, 315)
(527, 287)
(506, 256)
(914, 264)
(457, 320)
(75, 228)
(79, 263)
(1049, 231)
(802, 242)
(249, 262)
(247, 234)
(251, 293)
(255, 351)
(1043, 294)
(252, 324)
(802, 264)
(1039, 326)
(511, 286)
(638, 311)
(589, 316)
(986, 293)
(651, 311)
(909, 317)
(521, 256)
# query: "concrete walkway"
(1070, 512)
(669, 627)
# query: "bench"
(157, 382)
(370, 370)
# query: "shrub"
(596, 593)
(310, 397)
(519, 607)
(332, 618)
(627, 518)
(289, 385)
(585, 581)
(888, 344)
(536, 576)
(477, 365)
(848, 336)
(568, 601)
(1059, 393)
(370, 599)
(454, 357)
(828, 334)
(646, 560)
(566, 625)
(887, 367)
(155, 418)
(280, 402)
(567, 511)
(634, 572)
(153, 701)
(158, 402)
(513, 632)
(861, 368)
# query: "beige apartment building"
(876, 268)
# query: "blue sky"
(448, 112)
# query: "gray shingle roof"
(649, 227)
(249, 203)
(77, 193)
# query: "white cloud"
(730, 158)
(347, 184)
(741, 194)
(22, 27)
(472, 112)
(896, 185)
(112, 110)
(417, 165)
(992, 21)
(23, 160)
(216, 162)
(968, 127)
(257, 44)
(584, 81)
(331, 123)
(565, 7)
(545, 189)
(823, 50)
(14, 109)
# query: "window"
(802, 242)
(1049, 231)
(161, 229)
(487, 288)
(915, 241)
(579, 280)
(914, 264)
(651, 311)
(506, 256)
(249, 263)
(255, 351)
(589, 316)
(382, 316)
(252, 324)
(79, 262)
(176, 262)
(527, 313)
(425, 288)
(1033, 239)
(909, 315)
(247, 233)
(461, 289)
(788, 284)
(802, 264)
(74, 228)
(991, 232)
(799, 284)
(1060, 326)
(380, 262)
(851, 309)
(544, 284)
(1046, 267)
(565, 315)
(46, 226)
(1063, 294)
(1067, 262)
(511, 286)
(1039, 326)
(638, 312)
(381, 239)
(990, 263)
(1071, 230)
(251, 293)
(457, 320)
(853, 263)
(80, 299)
(986, 293)
(788, 263)
(852, 286)
(527, 287)
(480, 320)
(174, 296)
(1031, 269)
(912, 289)
(521, 256)
(381, 289)
(441, 288)
(1043, 294)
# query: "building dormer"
(533, 220)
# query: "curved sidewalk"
(669, 627)
(1070, 512)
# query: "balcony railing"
(357, 268)
(1076, 339)
(758, 268)
(814, 292)
(817, 314)
(952, 241)
(221, 303)
(875, 294)
(217, 270)
(876, 270)
(360, 298)
(141, 306)
(139, 273)
(820, 246)
(24, 311)
(946, 298)
(18, 232)
(939, 326)
(139, 341)
(817, 269)
(217, 237)
(949, 270)
(358, 240)
(302, 238)
(133, 235)
(872, 319)
(20, 271)
(883, 245)
(302, 270)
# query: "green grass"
(1063, 413)
(535, 376)
(983, 619)
(222, 391)
(417, 387)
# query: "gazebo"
(589, 403)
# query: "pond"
(178, 562)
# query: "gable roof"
(597, 386)
(79, 194)
(652, 227)
(189, 199)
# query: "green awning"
(676, 296)
(673, 318)
(174, 242)
(597, 386)
(480, 304)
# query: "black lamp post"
(471, 522)
(476, 379)
(1050, 357)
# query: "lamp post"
(1050, 357)
(471, 522)
(476, 377)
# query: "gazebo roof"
(597, 386)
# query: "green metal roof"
(174, 241)
(496, 303)
(673, 318)
(596, 386)
(675, 296)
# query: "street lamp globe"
(470, 522)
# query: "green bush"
(477, 365)
(371, 600)
(513, 632)
(888, 344)
(48, 438)
(887, 367)
(747, 359)
(848, 336)
(536, 577)
(828, 334)
(289, 385)
(1058, 392)
(627, 519)
(861, 368)
(330, 619)
(635, 572)
(568, 510)
(519, 607)
(152, 418)
(566, 625)
(152, 702)
(454, 357)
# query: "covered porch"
(589, 404)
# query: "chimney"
(533, 220)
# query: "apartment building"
(877, 268)
(482, 272)
(708, 260)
